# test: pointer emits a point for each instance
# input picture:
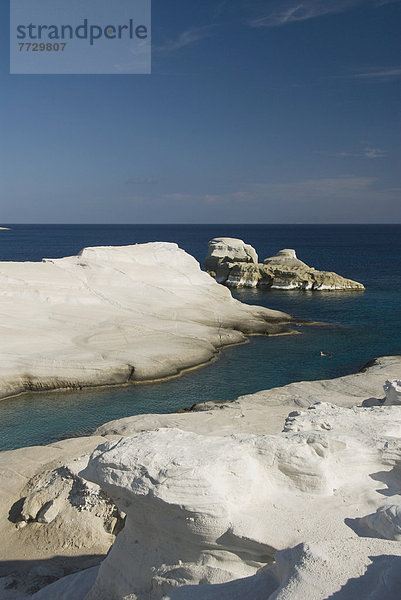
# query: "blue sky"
(274, 111)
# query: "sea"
(355, 326)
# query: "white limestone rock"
(72, 587)
(282, 271)
(240, 275)
(392, 390)
(229, 250)
(319, 497)
(57, 497)
(384, 523)
(115, 314)
(315, 571)
(286, 271)
(42, 480)
(266, 411)
(287, 257)
(207, 515)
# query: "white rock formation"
(287, 257)
(210, 511)
(384, 523)
(212, 496)
(393, 392)
(266, 411)
(115, 314)
(41, 484)
(60, 494)
(286, 271)
(281, 271)
(229, 250)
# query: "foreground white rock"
(78, 520)
(211, 511)
(115, 314)
(235, 264)
(207, 512)
(41, 552)
(393, 391)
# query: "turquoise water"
(358, 325)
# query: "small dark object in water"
(329, 355)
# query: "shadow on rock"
(29, 576)
(381, 581)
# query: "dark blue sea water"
(359, 325)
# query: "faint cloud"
(186, 38)
(374, 153)
(339, 199)
(142, 60)
(292, 12)
(216, 198)
(368, 152)
(344, 185)
(384, 74)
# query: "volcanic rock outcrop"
(234, 263)
(116, 314)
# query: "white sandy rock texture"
(393, 391)
(235, 264)
(213, 512)
(229, 250)
(52, 522)
(310, 512)
(116, 314)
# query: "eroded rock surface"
(229, 250)
(213, 497)
(52, 522)
(116, 314)
(281, 271)
(61, 496)
(207, 516)
(392, 390)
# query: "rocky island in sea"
(289, 493)
(235, 263)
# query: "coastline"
(112, 315)
(180, 373)
(125, 315)
(133, 382)
(263, 413)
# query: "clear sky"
(273, 111)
